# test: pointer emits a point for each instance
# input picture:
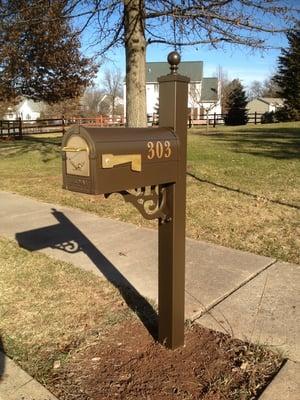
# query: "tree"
(237, 102)
(196, 97)
(112, 84)
(180, 23)
(288, 74)
(135, 24)
(270, 88)
(267, 88)
(40, 58)
(6, 107)
(255, 90)
(94, 101)
(68, 108)
(223, 80)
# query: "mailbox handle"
(110, 160)
(74, 149)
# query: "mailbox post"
(147, 166)
(173, 97)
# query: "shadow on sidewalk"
(2, 360)
(67, 237)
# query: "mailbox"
(107, 160)
(152, 161)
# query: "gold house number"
(159, 150)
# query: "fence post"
(215, 119)
(190, 121)
(20, 128)
(63, 124)
(255, 115)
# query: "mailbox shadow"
(67, 237)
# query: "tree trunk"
(135, 48)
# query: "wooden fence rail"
(11, 129)
(219, 119)
(18, 128)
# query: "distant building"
(26, 110)
(204, 93)
(264, 104)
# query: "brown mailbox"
(152, 162)
(107, 160)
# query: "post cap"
(174, 59)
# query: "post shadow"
(67, 237)
(2, 360)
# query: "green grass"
(282, 127)
(244, 193)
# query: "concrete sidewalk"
(250, 296)
(16, 384)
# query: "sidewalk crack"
(205, 310)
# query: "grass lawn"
(74, 333)
(49, 308)
(243, 186)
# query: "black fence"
(18, 128)
(11, 129)
(219, 119)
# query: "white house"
(204, 93)
(26, 110)
(264, 104)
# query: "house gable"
(192, 69)
(209, 90)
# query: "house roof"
(270, 100)
(209, 90)
(192, 69)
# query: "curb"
(16, 384)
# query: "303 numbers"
(159, 150)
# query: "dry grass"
(246, 194)
(62, 324)
(50, 308)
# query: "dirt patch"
(130, 365)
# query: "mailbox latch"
(74, 149)
(110, 160)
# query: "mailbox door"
(78, 174)
(133, 158)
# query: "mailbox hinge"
(150, 201)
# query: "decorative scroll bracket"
(150, 201)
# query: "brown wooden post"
(173, 96)
(20, 128)
(255, 118)
(63, 124)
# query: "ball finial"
(174, 60)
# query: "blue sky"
(238, 62)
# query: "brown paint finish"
(173, 92)
(108, 160)
(157, 148)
